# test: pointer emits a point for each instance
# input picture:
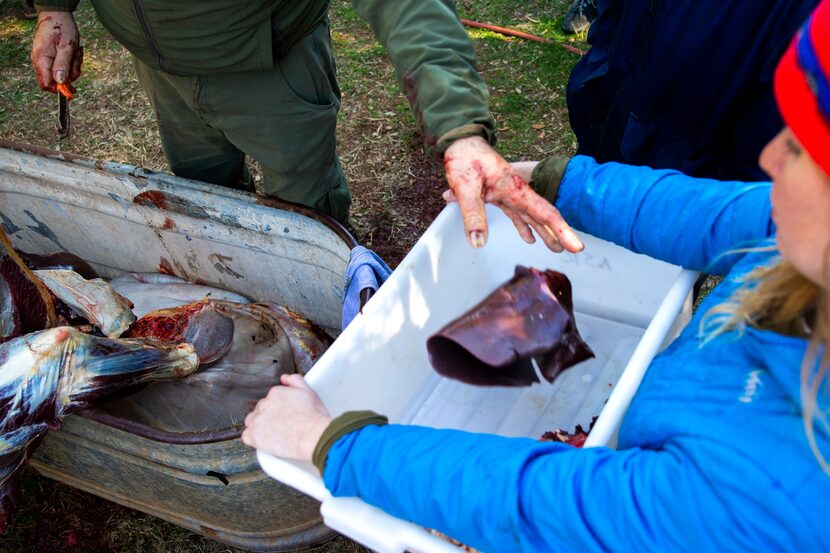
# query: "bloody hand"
(477, 174)
(56, 53)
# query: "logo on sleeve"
(753, 382)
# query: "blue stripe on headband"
(816, 79)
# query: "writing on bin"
(586, 259)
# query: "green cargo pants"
(285, 118)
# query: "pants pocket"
(308, 70)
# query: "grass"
(396, 186)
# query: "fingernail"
(60, 76)
(477, 239)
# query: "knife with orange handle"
(66, 92)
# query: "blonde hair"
(777, 297)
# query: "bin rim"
(157, 435)
(166, 178)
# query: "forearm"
(435, 62)
(518, 494)
(436, 478)
(663, 213)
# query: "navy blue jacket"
(683, 85)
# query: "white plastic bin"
(626, 305)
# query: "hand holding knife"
(57, 57)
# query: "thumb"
(294, 380)
(63, 62)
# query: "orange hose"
(520, 34)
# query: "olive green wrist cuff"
(464, 131)
(340, 426)
(547, 176)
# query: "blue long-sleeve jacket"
(712, 451)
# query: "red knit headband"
(802, 86)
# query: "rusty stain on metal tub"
(165, 267)
(43, 230)
(219, 260)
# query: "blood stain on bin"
(151, 197)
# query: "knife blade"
(63, 116)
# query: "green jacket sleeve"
(435, 62)
(56, 5)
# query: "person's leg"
(193, 148)
(285, 118)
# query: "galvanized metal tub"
(123, 218)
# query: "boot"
(579, 16)
(29, 11)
